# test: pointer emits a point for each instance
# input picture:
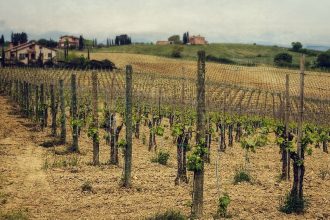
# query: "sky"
(230, 21)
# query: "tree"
(81, 43)
(283, 59)
(2, 40)
(323, 60)
(19, 38)
(123, 39)
(296, 46)
(47, 43)
(184, 38)
(175, 39)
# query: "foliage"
(81, 43)
(283, 59)
(123, 39)
(242, 175)
(223, 204)
(195, 159)
(176, 52)
(175, 39)
(168, 215)
(223, 60)
(161, 158)
(323, 60)
(292, 204)
(19, 38)
(296, 46)
(87, 187)
(92, 133)
(47, 43)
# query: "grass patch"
(223, 204)
(168, 215)
(291, 204)
(3, 198)
(161, 158)
(324, 173)
(61, 162)
(14, 215)
(87, 187)
(242, 175)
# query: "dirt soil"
(40, 184)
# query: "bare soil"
(44, 185)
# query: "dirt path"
(24, 184)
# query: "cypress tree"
(81, 43)
(3, 56)
(2, 41)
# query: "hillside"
(240, 53)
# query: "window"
(21, 56)
(49, 55)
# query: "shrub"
(291, 204)
(168, 215)
(242, 175)
(223, 204)
(323, 60)
(86, 187)
(176, 52)
(219, 59)
(283, 59)
(161, 158)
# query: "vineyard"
(162, 132)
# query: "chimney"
(11, 45)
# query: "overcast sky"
(246, 21)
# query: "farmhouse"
(29, 52)
(197, 40)
(72, 41)
(164, 42)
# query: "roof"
(25, 45)
(71, 36)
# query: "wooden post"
(298, 157)
(300, 122)
(74, 147)
(128, 115)
(63, 116)
(285, 150)
(95, 123)
(198, 185)
(42, 106)
(53, 109)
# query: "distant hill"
(319, 48)
(239, 53)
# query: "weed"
(168, 215)
(223, 204)
(161, 158)
(87, 187)
(324, 173)
(291, 204)
(242, 175)
(14, 215)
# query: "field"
(42, 179)
(29, 188)
(240, 53)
